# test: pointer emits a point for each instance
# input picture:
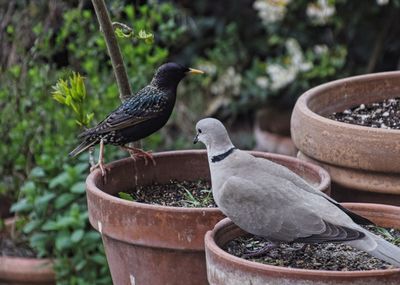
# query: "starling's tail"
(82, 147)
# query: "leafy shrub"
(58, 226)
(38, 133)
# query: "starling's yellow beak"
(194, 71)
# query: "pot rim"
(304, 99)
(212, 246)
(92, 177)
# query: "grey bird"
(268, 200)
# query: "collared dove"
(268, 200)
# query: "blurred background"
(259, 57)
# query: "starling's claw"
(102, 167)
(100, 162)
(137, 152)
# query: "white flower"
(320, 12)
(320, 49)
(280, 76)
(283, 75)
(382, 2)
(271, 11)
(262, 82)
(297, 58)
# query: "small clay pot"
(25, 271)
(151, 244)
(272, 131)
(358, 158)
(224, 268)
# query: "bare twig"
(117, 62)
(113, 49)
(122, 26)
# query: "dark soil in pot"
(385, 115)
(324, 256)
(11, 247)
(189, 194)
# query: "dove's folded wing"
(277, 214)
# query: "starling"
(139, 116)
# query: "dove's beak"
(194, 71)
(196, 139)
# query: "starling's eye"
(199, 131)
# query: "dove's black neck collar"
(222, 156)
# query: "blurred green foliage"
(57, 225)
(38, 133)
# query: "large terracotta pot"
(151, 244)
(224, 269)
(25, 271)
(363, 162)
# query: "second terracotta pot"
(226, 269)
(151, 244)
(363, 161)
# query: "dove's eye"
(199, 131)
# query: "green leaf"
(37, 172)
(80, 265)
(32, 225)
(63, 241)
(21, 206)
(77, 235)
(78, 188)
(126, 196)
(61, 179)
(64, 199)
(50, 226)
(65, 222)
(58, 97)
(98, 258)
(44, 200)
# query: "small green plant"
(191, 201)
(126, 196)
(72, 93)
(124, 31)
(388, 235)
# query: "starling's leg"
(141, 153)
(100, 162)
(261, 251)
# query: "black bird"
(139, 116)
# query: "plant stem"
(113, 49)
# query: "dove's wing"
(276, 212)
(283, 172)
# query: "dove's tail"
(379, 248)
(82, 147)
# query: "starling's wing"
(148, 103)
(276, 212)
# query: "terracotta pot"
(25, 271)
(151, 244)
(358, 158)
(272, 131)
(223, 268)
